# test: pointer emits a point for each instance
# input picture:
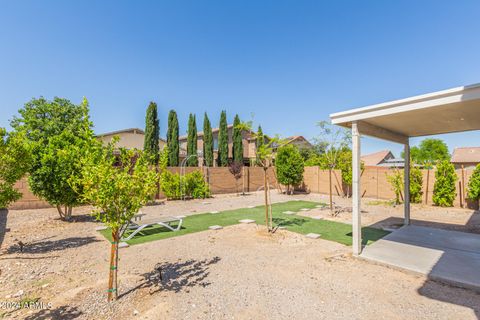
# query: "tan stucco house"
(466, 157)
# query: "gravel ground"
(238, 272)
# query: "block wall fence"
(374, 183)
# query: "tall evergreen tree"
(223, 140)
(260, 137)
(152, 134)
(192, 141)
(207, 141)
(172, 139)
(237, 151)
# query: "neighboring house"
(377, 158)
(299, 141)
(132, 138)
(468, 157)
(393, 163)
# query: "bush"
(289, 166)
(416, 181)
(396, 181)
(444, 192)
(193, 184)
(474, 184)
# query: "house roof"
(200, 133)
(376, 158)
(129, 130)
(297, 138)
(466, 154)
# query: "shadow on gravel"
(51, 245)
(63, 312)
(176, 276)
(3, 224)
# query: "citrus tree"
(117, 183)
(14, 161)
(289, 166)
(55, 132)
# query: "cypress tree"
(152, 133)
(192, 141)
(237, 151)
(207, 141)
(172, 139)
(260, 137)
(223, 140)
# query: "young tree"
(14, 162)
(335, 139)
(396, 181)
(289, 166)
(474, 184)
(56, 132)
(416, 182)
(444, 191)
(223, 140)
(192, 142)
(237, 151)
(235, 169)
(260, 138)
(207, 141)
(117, 192)
(429, 152)
(172, 139)
(152, 133)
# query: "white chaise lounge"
(138, 223)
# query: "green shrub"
(192, 183)
(396, 181)
(416, 181)
(474, 184)
(444, 192)
(289, 166)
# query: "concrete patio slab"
(448, 256)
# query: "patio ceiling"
(446, 111)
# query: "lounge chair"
(138, 223)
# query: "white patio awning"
(446, 111)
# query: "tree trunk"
(266, 198)
(112, 279)
(60, 212)
(68, 213)
(330, 188)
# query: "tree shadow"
(51, 245)
(370, 234)
(3, 224)
(63, 312)
(176, 276)
(285, 222)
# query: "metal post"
(356, 220)
(406, 192)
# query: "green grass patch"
(329, 230)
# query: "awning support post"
(406, 202)
(356, 197)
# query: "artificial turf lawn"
(329, 230)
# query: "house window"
(215, 143)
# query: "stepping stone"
(101, 228)
(123, 245)
(251, 207)
(246, 221)
(288, 212)
(313, 235)
(213, 212)
(281, 228)
(206, 202)
(215, 227)
(317, 218)
(181, 217)
(305, 209)
(321, 206)
(296, 199)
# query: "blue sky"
(290, 63)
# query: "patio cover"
(447, 111)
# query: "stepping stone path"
(101, 228)
(305, 209)
(123, 245)
(313, 235)
(317, 218)
(288, 212)
(213, 212)
(215, 227)
(246, 221)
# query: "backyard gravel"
(238, 272)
